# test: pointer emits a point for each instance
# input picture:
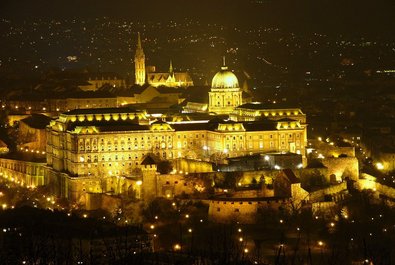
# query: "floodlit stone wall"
(242, 211)
(233, 211)
(192, 166)
(319, 195)
(369, 184)
(171, 185)
(342, 167)
(24, 173)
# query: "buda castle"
(98, 150)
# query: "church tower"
(139, 63)
(225, 92)
(171, 80)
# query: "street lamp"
(177, 247)
(379, 166)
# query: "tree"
(165, 167)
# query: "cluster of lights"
(26, 150)
(179, 172)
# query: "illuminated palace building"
(93, 150)
(93, 144)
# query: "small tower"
(139, 63)
(171, 80)
(150, 179)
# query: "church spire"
(171, 68)
(139, 63)
(138, 41)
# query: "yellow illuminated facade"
(256, 110)
(101, 148)
(225, 92)
(170, 79)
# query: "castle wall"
(23, 172)
(232, 211)
(192, 166)
(305, 173)
(103, 201)
(266, 175)
(171, 185)
(319, 195)
(342, 167)
(328, 150)
(370, 184)
(242, 211)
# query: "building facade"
(256, 110)
(24, 173)
(103, 147)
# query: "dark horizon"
(322, 16)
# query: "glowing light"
(176, 247)
(379, 166)
(139, 183)
(320, 243)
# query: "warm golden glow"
(225, 79)
(379, 166)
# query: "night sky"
(346, 16)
